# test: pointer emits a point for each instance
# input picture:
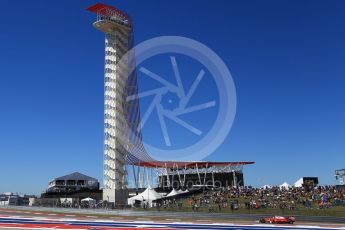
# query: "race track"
(21, 219)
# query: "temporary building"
(181, 191)
(147, 196)
(285, 185)
(173, 192)
(299, 183)
(90, 201)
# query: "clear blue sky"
(287, 59)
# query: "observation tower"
(122, 141)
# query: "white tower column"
(116, 132)
(122, 140)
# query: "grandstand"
(188, 175)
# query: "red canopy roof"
(190, 164)
(109, 11)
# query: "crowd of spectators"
(169, 203)
(321, 197)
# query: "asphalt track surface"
(24, 219)
(177, 215)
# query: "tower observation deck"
(122, 140)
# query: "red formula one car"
(278, 220)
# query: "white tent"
(181, 191)
(173, 192)
(148, 196)
(299, 183)
(90, 201)
(285, 185)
